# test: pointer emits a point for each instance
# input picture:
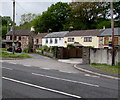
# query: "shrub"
(71, 46)
(26, 49)
(45, 48)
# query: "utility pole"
(13, 44)
(112, 28)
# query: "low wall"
(104, 55)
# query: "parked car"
(16, 48)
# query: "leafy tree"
(86, 14)
(25, 18)
(5, 26)
(54, 18)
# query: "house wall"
(94, 43)
(109, 38)
(60, 42)
(23, 41)
(39, 41)
(7, 37)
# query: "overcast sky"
(26, 6)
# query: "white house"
(54, 39)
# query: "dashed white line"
(45, 68)
(40, 87)
(12, 62)
(92, 75)
(66, 80)
(7, 68)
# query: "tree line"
(77, 15)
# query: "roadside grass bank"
(6, 55)
(107, 68)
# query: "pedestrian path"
(91, 70)
(71, 60)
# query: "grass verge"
(107, 68)
(5, 54)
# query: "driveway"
(48, 63)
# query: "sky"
(25, 6)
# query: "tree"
(25, 18)
(54, 18)
(6, 24)
(85, 15)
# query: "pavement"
(88, 69)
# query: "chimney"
(32, 28)
(104, 27)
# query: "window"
(87, 39)
(56, 41)
(37, 40)
(50, 40)
(15, 37)
(19, 37)
(46, 40)
(70, 39)
(106, 40)
(10, 37)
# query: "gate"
(69, 52)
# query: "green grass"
(5, 54)
(107, 68)
(3, 49)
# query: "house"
(54, 39)
(38, 39)
(25, 37)
(8, 43)
(106, 37)
(83, 38)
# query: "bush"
(71, 46)
(45, 48)
(54, 50)
(118, 64)
(26, 49)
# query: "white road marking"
(66, 71)
(27, 65)
(7, 68)
(1, 61)
(92, 75)
(12, 62)
(40, 87)
(45, 68)
(66, 80)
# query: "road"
(20, 81)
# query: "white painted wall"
(60, 42)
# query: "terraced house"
(106, 37)
(54, 39)
(24, 37)
(83, 38)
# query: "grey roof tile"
(108, 32)
(21, 32)
(94, 32)
(56, 34)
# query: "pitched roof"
(94, 32)
(108, 32)
(56, 34)
(40, 35)
(21, 32)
